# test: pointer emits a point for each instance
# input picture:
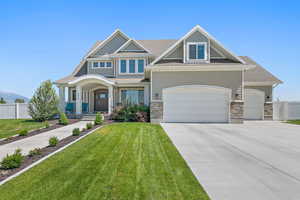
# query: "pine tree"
(44, 103)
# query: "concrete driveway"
(252, 161)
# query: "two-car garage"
(208, 104)
(196, 103)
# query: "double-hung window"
(132, 66)
(102, 64)
(197, 51)
(132, 97)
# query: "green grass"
(9, 127)
(294, 122)
(133, 161)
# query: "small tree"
(43, 105)
(2, 101)
(19, 101)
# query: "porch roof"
(71, 80)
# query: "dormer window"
(197, 50)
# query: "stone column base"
(156, 112)
(237, 112)
(268, 111)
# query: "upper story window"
(132, 66)
(197, 51)
(102, 64)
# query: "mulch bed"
(44, 152)
(53, 125)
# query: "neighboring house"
(193, 79)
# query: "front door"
(101, 100)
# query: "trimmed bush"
(12, 161)
(47, 125)
(22, 132)
(53, 141)
(83, 129)
(99, 119)
(63, 120)
(131, 113)
(34, 152)
(76, 132)
(89, 125)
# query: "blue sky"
(42, 40)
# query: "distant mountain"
(10, 97)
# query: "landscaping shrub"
(76, 132)
(13, 160)
(131, 113)
(53, 141)
(34, 152)
(83, 129)
(22, 132)
(99, 119)
(44, 103)
(47, 125)
(63, 120)
(89, 125)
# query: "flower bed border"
(35, 132)
(46, 152)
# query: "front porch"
(94, 93)
(87, 95)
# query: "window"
(123, 66)
(132, 96)
(132, 66)
(197, 51)
(140, 66)
(73, 95)
(108, 64)
(95, 64)
(102, 64)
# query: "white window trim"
(127, 66)
(105, 64)
(120, 92)
(196, 43)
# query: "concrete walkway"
(250, 161)
(40, 140)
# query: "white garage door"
(254, 104)
(196, 103)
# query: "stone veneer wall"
(156, 112)
(237, 112)
(268, 111)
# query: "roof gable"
(132, 46)
(110, 45)
(195, 34)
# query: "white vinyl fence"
(14, 111)
(284, 110)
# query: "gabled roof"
(102, 43)
(201, 30)
(132, 41)
(258, 74)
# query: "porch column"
(62, 103)
(146, 95)
(110, 99)
(78, 100)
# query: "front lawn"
(294, 122)
(120, 161)
(9, 127)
